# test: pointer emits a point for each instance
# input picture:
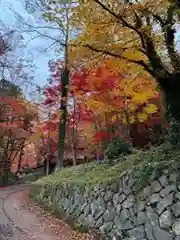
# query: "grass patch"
(88, 174)
(142, 164)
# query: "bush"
(6, 178)
(173, 133)
(117, 148)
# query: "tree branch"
(169, 34)
(108, 53)
(157, 68)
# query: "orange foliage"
(15, 128)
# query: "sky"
(35, 48)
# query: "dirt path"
(20, 220)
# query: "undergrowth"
(142, 164)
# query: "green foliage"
(153, 163)
(156, 134)
(144, 165)
(6, 178)
(88, 175)
(173, 133)
(27, 170)
(117, 148)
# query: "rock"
(131, 212)
(165, 202)
(124, 215)
(162, 234)
(122, 197)
(76, 211)
(87, 209)
(110, 205)
(163, 181)
(116, 199)
(137, 233)
(78, 199)
(123, 225)
(176, 209)
(81, 218)
(109, 215)
(173, 178)
(99, 222)
(155, 186)
(67, 204)
(118, 222)
(139, 206)
(130, 238)
(116, 235)
(102, 193)
(118, 208)
(126, 189)
(152, 216)
(108, 196)
(177, 195)
(127, 225)
(167, 190)
(176, 227)
(154, 199)
(89, 221)
(105, 228)
(120, 189)
(83, 206)
(149, 231)
(146, 192)
(165, 220)
(128, 203)
(141, 218)
(97, 208)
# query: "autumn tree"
(138, 33)
(115, 101)
(15, 128)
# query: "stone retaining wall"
(152, 214)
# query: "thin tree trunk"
(127, 127)
(73, 137)
(20, 157)
(47, 166)
(47, 160)
(63, 118)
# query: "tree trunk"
(170, 86)
(73, 136)
(63, 118)
(47, 166)
(20, 158)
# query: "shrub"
(173, 133)
(6, 178)
(117, 148)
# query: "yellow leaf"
(114, 118)
(150, 108)
(142, 117)
(131, 119)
